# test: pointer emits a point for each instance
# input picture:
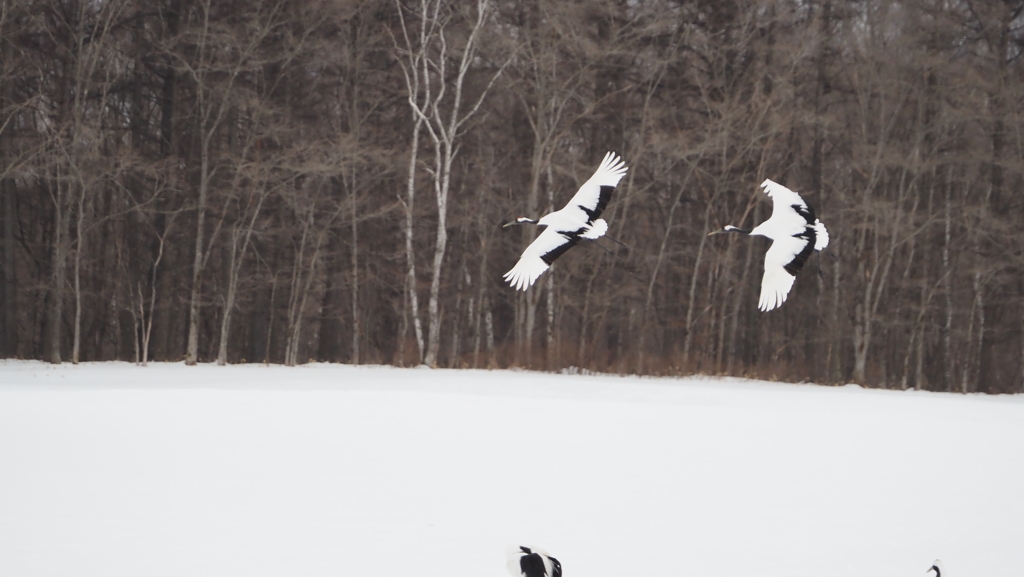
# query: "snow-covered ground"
(116, 470)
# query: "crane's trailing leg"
(836, 258)
(620, 243)
(601, 246)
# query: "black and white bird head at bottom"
(531, 562)
(937, 567)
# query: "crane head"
(729, 228)
(520, 220)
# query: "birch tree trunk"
(76, 344)
(416, 60)
(947, 328)
(58, 276)
(302, 278)
(192, 349)
(147, 323)
(354, 254)
(236, 256)
(551, 338)
(972, 362)
(410, 254)
(8, 276)
(10, 334)
(425, 65)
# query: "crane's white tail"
(610, 172)
(820, 235)
(596, 230)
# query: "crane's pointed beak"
(715, 232)
(507, 224)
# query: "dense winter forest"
(295, 180)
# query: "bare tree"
(217, 57)
(444, 120)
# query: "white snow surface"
(110, 469)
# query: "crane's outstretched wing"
(593, 196)
(782, 197)
(790, 214)
(537, 257)
(783, 260)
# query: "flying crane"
(795, 233)
(564, 228)
(527, 562)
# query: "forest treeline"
(291, 180)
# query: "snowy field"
(116, 470)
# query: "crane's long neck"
(731, 228)
(522, 220)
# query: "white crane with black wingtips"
(795, 233)
(564, 228)
(940, 571)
